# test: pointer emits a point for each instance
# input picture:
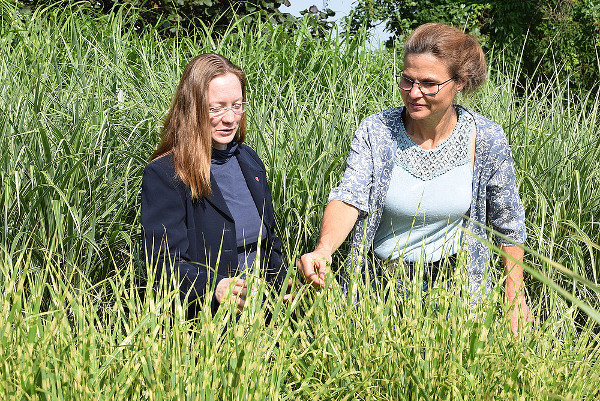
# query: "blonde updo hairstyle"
(460, 52)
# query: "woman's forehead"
(425, 66)
(224, 87)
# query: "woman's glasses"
(237, 108)
(426, 88)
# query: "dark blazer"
(197, 238)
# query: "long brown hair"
(460, 52)
(186, 129)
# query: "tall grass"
(81, 103)
(554, 136)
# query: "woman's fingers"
(230, 289)
(521, 316)
(240, 304)
(240, 291)
(313, 266)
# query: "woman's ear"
(460, 84)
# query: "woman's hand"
(338, 220)
(314, 265)
(292, 291)
(232, 290)
(520, 313)
(514, 289)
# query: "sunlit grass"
(81, 106)
(107, 341)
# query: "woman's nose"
(229, 116)
(415, 91)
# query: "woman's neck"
(222, 156)
(430, 132)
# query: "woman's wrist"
(324, 249)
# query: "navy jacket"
(198, 238)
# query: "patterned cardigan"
(495, 200)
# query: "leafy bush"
(402, 16)
(178, 16)
(547, 36)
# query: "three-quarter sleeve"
(357, 180)
(505, 211)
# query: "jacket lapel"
(254, 175)
(216, 198)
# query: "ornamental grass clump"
(82, 102)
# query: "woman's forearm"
(514, 291)
(513, 271)
(338, 220)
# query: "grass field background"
(82, 100)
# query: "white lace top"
(495, 200)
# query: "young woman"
(413, 172)
(206, 206)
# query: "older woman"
(413, 172)
(206, 207)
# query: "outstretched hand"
(314, 266)
(338, 219)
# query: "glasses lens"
(429, 88)
(239, 108)
(405, 83)
(215, 111)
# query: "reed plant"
(82, 101)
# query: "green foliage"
(568, 39)
(82, 102)
(546, 36)
(402, 16)
(318, 20)
(179, 16)
(108, 342)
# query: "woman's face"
(225, 91)
(428, 68)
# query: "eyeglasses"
(237, 108)
(426, 88)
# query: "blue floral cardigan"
(495, 200)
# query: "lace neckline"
(452, 152)
(404, 132)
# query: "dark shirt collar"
(219, 156)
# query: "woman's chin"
(222, 142)
(418, 114)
